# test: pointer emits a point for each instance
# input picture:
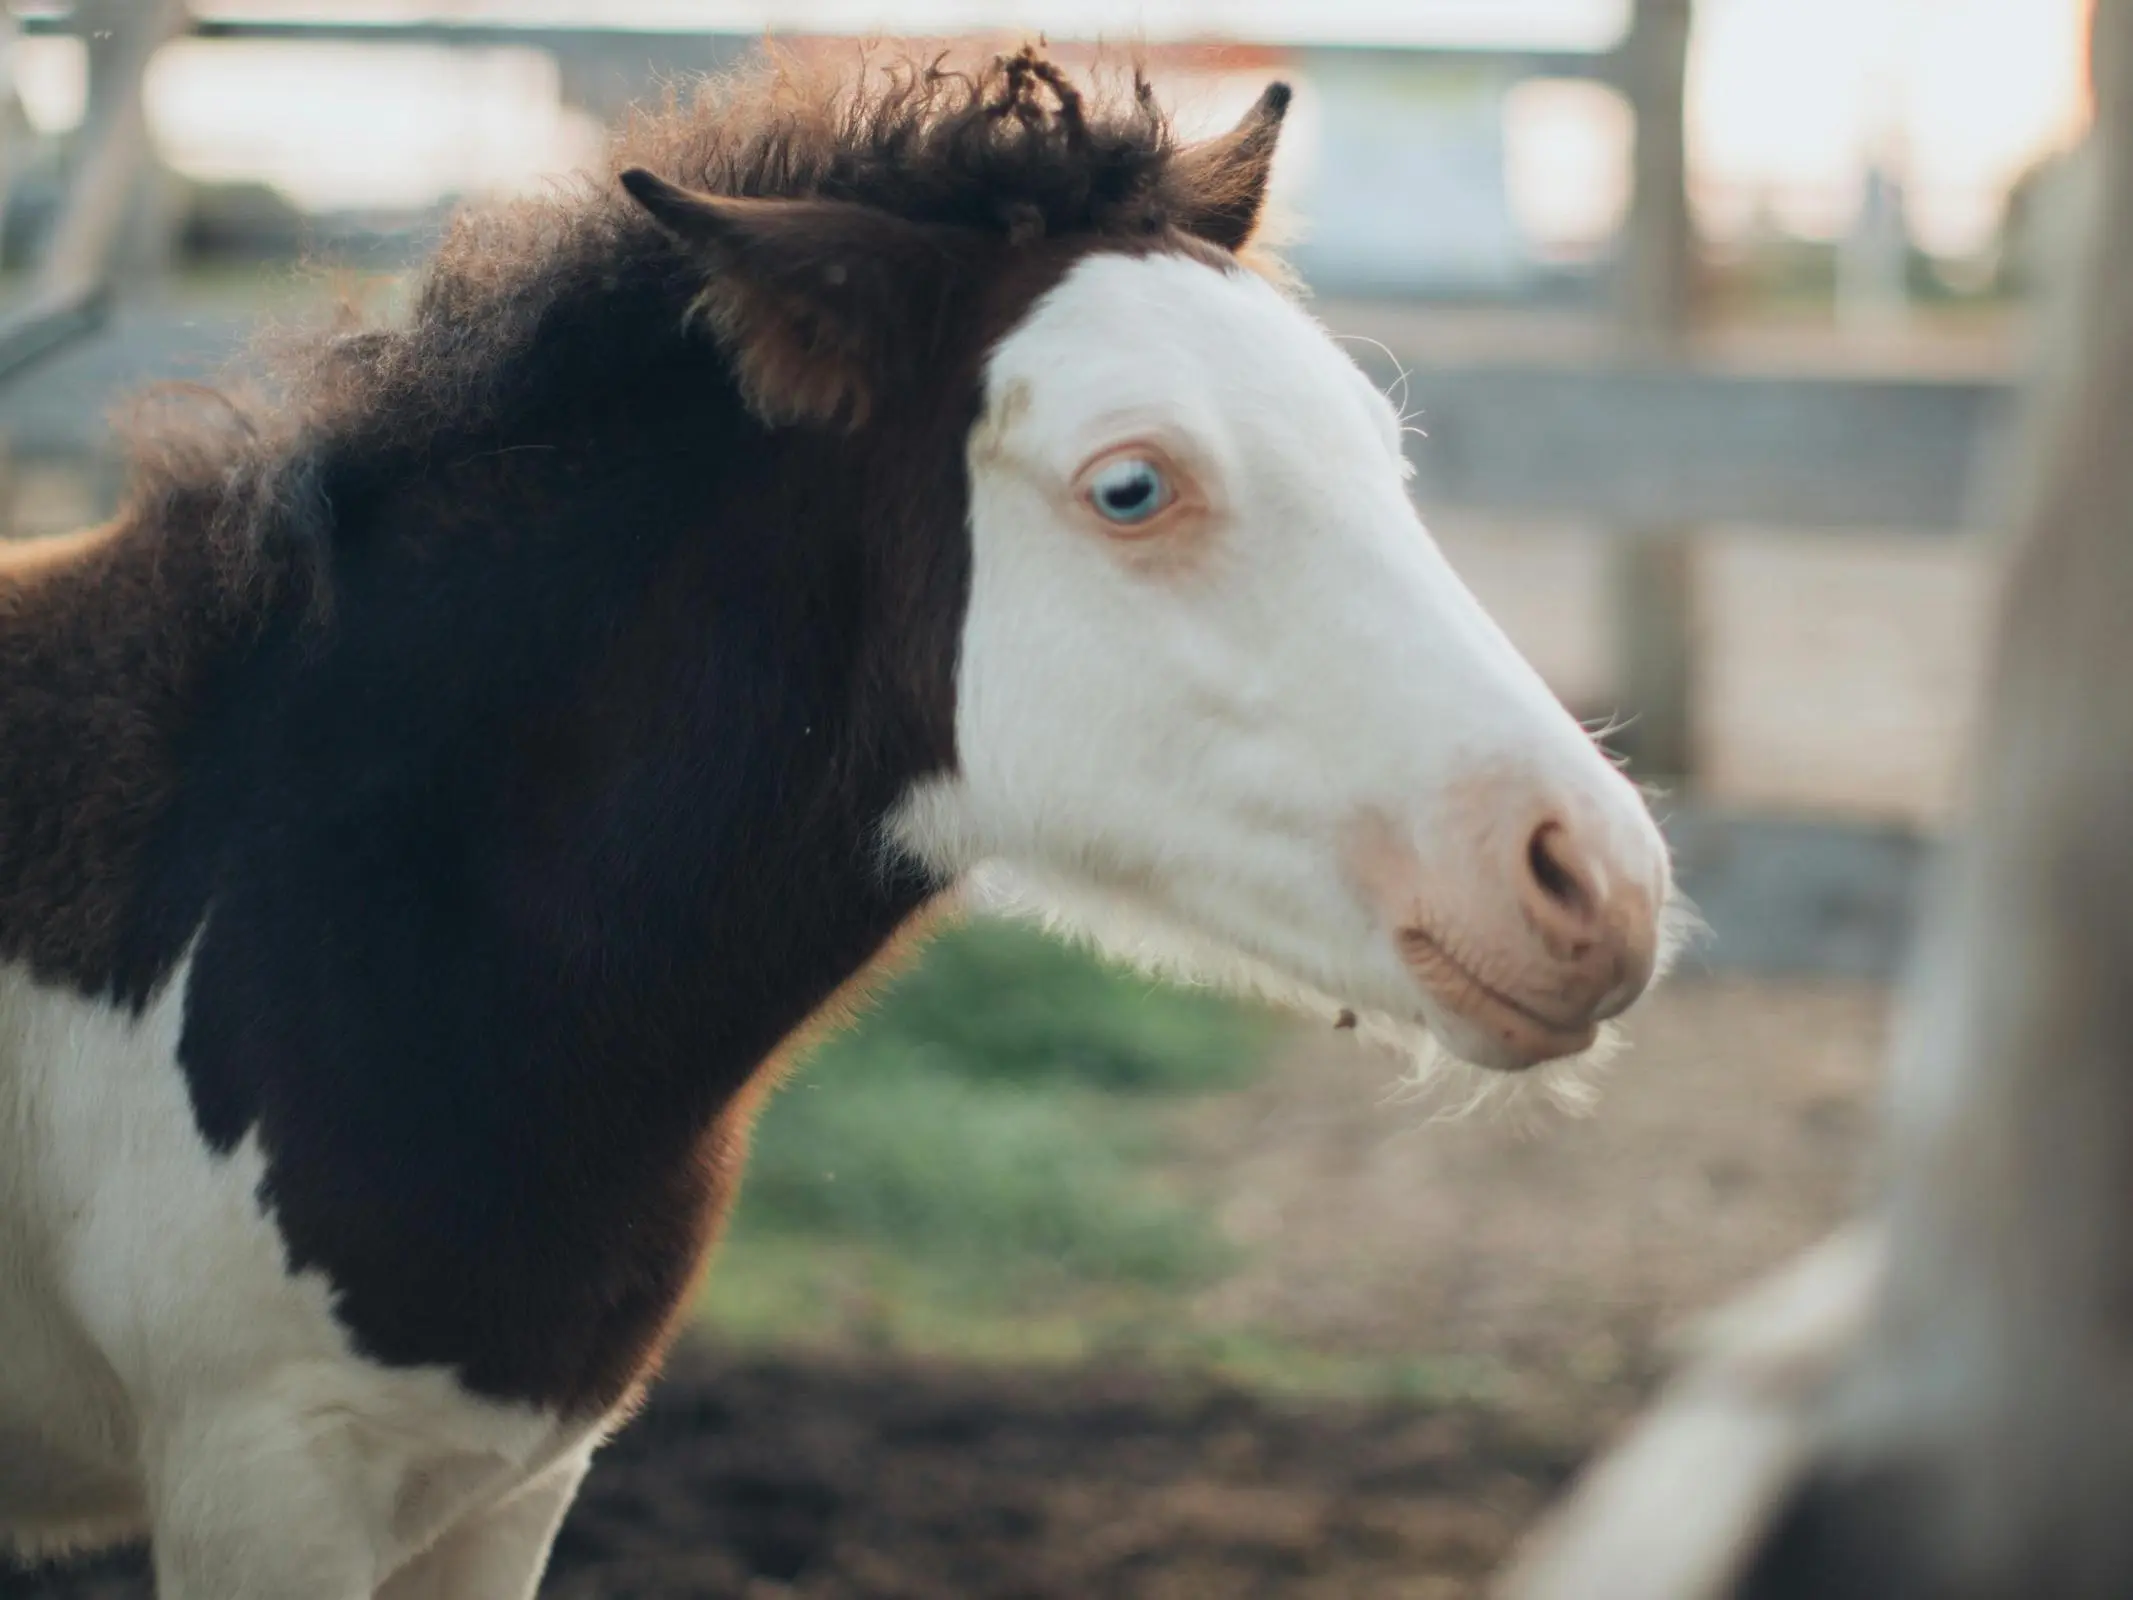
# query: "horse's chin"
(1142, 937)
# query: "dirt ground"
(1547, 1259)
(900, 1481)
(1559, 1251)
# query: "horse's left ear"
(816, 301)
(1221, 182)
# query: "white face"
(1222, 703)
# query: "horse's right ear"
(817, 302)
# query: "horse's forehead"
(1162, 329)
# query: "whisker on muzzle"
(1447, 1089)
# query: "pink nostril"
(1591, 916)
(1560, 896)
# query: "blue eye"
(1129, 490)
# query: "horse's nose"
(1593, 910)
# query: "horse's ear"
(814, 300)
(1221, 182)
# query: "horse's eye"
(1129, 490)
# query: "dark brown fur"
(107, 638)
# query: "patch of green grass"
(770, 1291)
(970, 1178)
(975, 1161)
(998, 1002)
(976, 1172)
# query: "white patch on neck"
(143, 1289)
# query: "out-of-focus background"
(1711, 318)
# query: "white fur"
(162, 1369)
(1164, 752)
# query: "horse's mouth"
(1482, 1023)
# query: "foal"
(428, 806)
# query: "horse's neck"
(504, 879)
(519, 932)
(595, 723)
(107, 640)
(704, 803)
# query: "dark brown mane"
(1012, 148)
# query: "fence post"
(1654, 307)
(113, 141)
(1652, 570)
(1655, 290)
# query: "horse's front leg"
(500, 1551)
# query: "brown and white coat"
(430, 805)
